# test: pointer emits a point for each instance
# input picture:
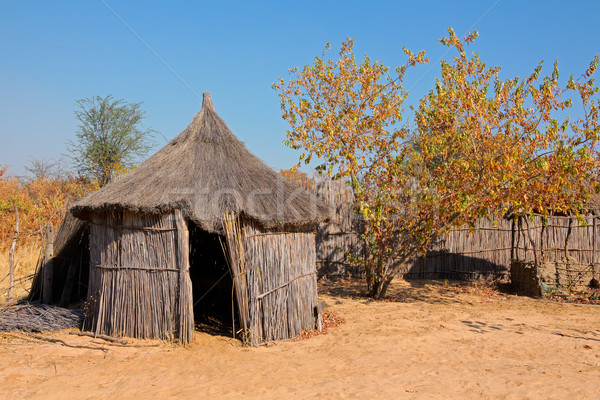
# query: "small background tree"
(110, 137)
(49, 168)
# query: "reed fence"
(558, 239)
(466, 253)
(340, 236)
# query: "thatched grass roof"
(206, 171)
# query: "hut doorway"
(212, 285)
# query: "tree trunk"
(386, 272)
(370, 278)
(380, 287)
(512, 241)
(385, 275)
(569, 231)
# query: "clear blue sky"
(55, 52)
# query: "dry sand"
(436, 342)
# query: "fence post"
(512, 240)
(11, 255)
(47, 268)
(594, 267)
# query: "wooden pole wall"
(463, 252)
(186, 309)
(139, 282)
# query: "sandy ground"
(436, 341)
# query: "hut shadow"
(441, 264)
(425, 291)
(400, 291)
(345, 288)
(214, 327)
(69, 269)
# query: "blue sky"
(55, 52)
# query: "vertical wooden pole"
(521, 234)
(569, 231)
(512, 241)
(542, 239)
(594, 268)
(11, 255)
(185, 324)
(48, 264)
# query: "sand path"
(434, 343)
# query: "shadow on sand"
(402, 291)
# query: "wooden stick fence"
(462, 253)
(340, 237)
(558, 239)
(467, 253)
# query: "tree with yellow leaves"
(478, 146)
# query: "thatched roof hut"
(166, 238)
(203, 172)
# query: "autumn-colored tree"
(479, 146)
(489, 146)
(299, 178)
(40, 201)
(349, 116)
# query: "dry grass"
(26, 257)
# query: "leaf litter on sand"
(330, 320)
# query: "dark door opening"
(212, 284)
(70, 271)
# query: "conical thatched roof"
(206, 171)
